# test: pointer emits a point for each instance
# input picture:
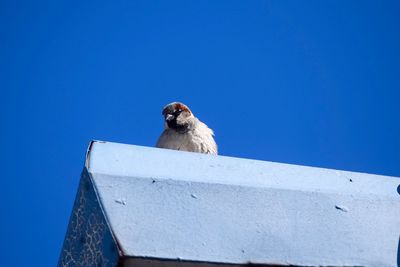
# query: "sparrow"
(183, 131)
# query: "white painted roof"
(178, 205)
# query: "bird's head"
(177, 117)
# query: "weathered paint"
(190, 208)
(88, 241)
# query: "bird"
(183, 131)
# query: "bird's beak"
(169, 117)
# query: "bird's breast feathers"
(199, 139)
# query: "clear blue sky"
(303, 82)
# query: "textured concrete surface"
(88, 241)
